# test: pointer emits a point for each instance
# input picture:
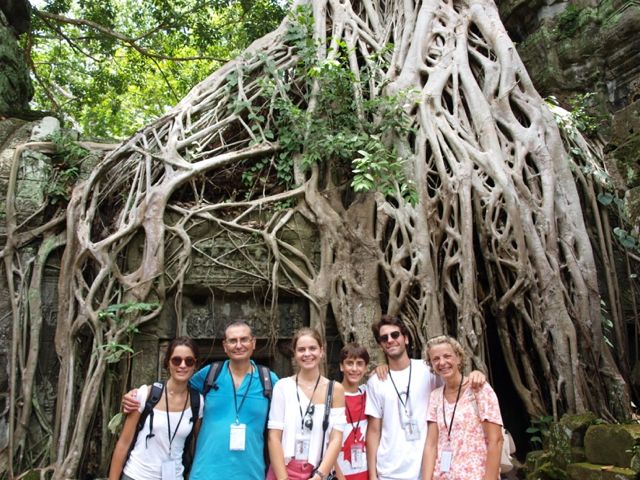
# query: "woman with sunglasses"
(157, 454)
(299, 448)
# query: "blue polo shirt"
(213, 459)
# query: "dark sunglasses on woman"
(188, 361)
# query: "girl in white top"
(296, 414)
(160, 455)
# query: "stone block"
(611, 444)
(589, 471)
(578, 455)
(146, 368)
(575, 426)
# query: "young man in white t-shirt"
(397, 406)
(352, 460)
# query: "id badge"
(303, 440)
(358, 460)
(237, 437)
(169, 470)
(446, 458)
(411, 430)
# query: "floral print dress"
(467, 440)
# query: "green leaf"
(605, 198)
(115, 423)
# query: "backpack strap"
(194, 397)
(214, 372)
(325, 419)
(190, 442)
(152, 399)
(327, 409)
(265, 380)
(212, 376)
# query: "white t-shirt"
(145, 461)
(398, 458)
(284, 415)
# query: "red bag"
(296, 470)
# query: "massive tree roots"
(495, 237)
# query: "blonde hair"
(455, 345)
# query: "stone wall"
(15, 85)
(588, 46)
(580, 447)
(222, 285)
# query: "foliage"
(353, 135)
(65, 167)
(120, 313)
(569, 21)
(139, 59)
(539, 430)
(582, 106)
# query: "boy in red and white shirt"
(352, 458)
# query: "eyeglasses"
(188, 361)
(385, 338)
(236, 341)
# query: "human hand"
(381, 371)
(477, 379)
(130, 402)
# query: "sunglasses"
(385, 338)
(308, 417)
(188, 361)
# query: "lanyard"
(454, 409)
(350, 415)
(404, 403)
(166, 401)
(235, 395)
(306, 412)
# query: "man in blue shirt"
(231, 438)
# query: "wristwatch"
(323, 476)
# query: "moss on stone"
(576, 426)
(15, 83)
(611, 444)
(590, 471)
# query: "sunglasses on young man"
(385, 338)
(188, 361)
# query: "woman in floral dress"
(464, 437)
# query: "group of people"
(411, 420)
